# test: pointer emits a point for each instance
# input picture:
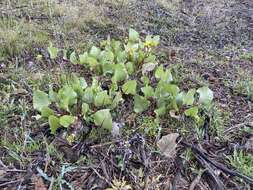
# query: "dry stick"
(10, 182)
(218, 182)
(101, 177)
(1, 163)
(178, 171)
(196, 181)
(104, 169)
(51, 184)
(218, 165)
(115, 166)
(16, 170)
(247, 124)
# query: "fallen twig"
(196, 181)
(210, 171)
(101, 177)
(16, 170)
(247, 124)
(196, 150)
(10, 182)
(1, 163)
(179, 164)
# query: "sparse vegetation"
(87, 103)
(119, 63)
(242, 161)
(247, 56)
(244, 84)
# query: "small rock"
(116, 129)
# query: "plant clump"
(134, 73)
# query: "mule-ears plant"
(130, 67)
(124, 60)
(76, 102)
(119, 60)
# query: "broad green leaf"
(158, 92)
(88, 95)
(67, 97)
(46, 112)
(107, 57)
(103, 118)
(53, 96)
(150, 59)
(93, 63)
(166, 90)
(117, 99)
(192, 112)
(83, 83)
(140, 104)
(131, 47)
(205, 95)
(102, 99)
(95, 52)
(139, 57)
(83, 58)
(54, 123)
(85, 109)
(148, 91)
(161, 111)
(116, 45)
(73, 58)
(145, 80)
(108, 68)
(188, 98)
(133, 35)
(67, 120)
(167, 77)
(130, 68)
(53, 51)
(164, 75)
(78, 84)
(172, 89)
(159, 72)
(63, 79)
(65, 56)
(95, 84)
(173, 104)
(40, 100)
(120, 73)
(114, 86)
(129, 87)
(161, 102)
(180, 98)
(121, 57)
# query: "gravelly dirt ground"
(205, 38)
